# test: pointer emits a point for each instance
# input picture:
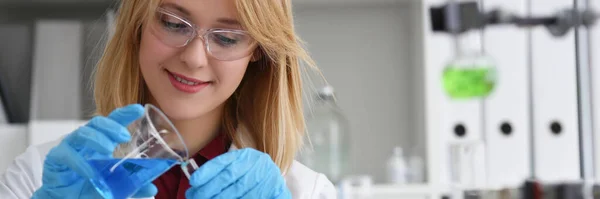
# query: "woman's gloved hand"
(244, 173)
(66, 172)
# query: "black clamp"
(460, 17)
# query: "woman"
(226, 72)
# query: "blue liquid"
(128, 177)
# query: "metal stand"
(460, 17)
(456, 18)
(584, 97)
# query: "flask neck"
(326, 100)
(466, 45)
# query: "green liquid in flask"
(469, 82)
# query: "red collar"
(214, 148)
(173, 183)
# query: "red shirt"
(174, 184)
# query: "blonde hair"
(267, 106)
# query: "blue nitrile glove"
(244, 173)
(66, 172)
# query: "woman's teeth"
(185, 81)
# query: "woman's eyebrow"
(228, 21)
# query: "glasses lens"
(229, 44)
(172, 30)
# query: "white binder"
(56, 70)
(555, 118)
(445, 117)
(507, 123)
(594, 54)
(464, 116)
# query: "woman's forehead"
(221, 11)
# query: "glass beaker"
(467, 163)
(154, 148)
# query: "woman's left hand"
(244, 173)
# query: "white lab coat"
(24, 176)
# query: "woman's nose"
(195, 55)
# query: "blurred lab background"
(410, 112)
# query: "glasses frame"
(203, 33)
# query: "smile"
(181, 80)
(186, 84)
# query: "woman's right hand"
(66, 172)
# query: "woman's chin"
(180, 113)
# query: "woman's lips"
(186, 84)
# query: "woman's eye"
(172, 24)
(225, 40)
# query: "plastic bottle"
(328, 144)
(416, 170)
(396, 167)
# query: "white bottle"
(416, 170)
(396, 167)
